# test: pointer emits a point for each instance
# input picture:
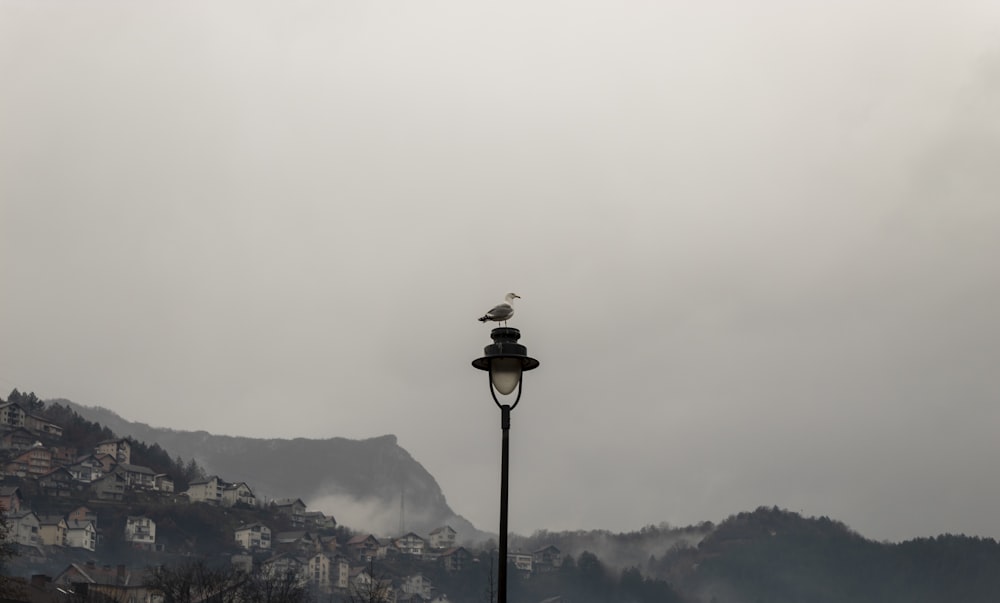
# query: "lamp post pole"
(504, 476)
(506, 360)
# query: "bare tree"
(197, 582)
(375, 588)
(8, 588)
(491, 586)
(274, 586)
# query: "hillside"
(775, 555)
(359, 482)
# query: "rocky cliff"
(369, 485)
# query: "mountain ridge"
(370, 484)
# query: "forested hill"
(776, 556)
(335, 475)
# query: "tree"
(196, 582)
(491, 585)
(373, 589)
(274, 586)
(30, 402)
(192, 472)
(8, 587)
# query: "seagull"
(502, 312)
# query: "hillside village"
(94, 517)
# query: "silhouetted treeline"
(778, 556)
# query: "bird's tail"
(483, 319)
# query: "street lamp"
(505, 360)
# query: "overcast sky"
(756, 242)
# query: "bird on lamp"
(502, 312)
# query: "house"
(22, 528)
(58, 483)
(319, 520)
(206, 490)
(17, 439)
(442, 538)
(52, 530)
(410, 544)
(455, 559)
(546, 558)
(136, 477)
(12, 415)
(254, 536)
(328, 572)
(120, 450)
(299, 541)
(521, 561)
(281, 565)
(363, 586)
(91, 573)
(110, 486)
(363, 547)
(91, 582)
(238, 493)
(293, 508)
(10, 499)
(33, 462)
(39, 589)
(359, 577)
(86, 468)
(163, 483)
(387, 549)
(40, 425)
(140, 532)
(81, 534)
(416, 584)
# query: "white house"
(417, 584)
(81, 534)
(140, 532)
(136, 477)
(240, 492)
(254, 536)
(120, 449)
(12, 415)
(294, 508)
(328, 572)
(442, 538)
(280, 566)
(410, 544)
(521, 561)
(207, 490)
(23, 528)
(163, 483)
(52, 530)
(86, 469)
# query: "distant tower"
(402, 510)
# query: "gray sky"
(756, 242)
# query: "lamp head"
(506, 360)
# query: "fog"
(755, 243)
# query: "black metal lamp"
(505, 360)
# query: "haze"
(755, 242)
